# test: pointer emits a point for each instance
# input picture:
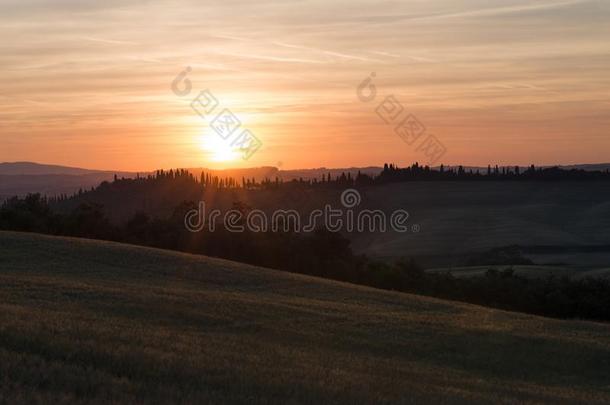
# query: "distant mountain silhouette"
(21, 178)
(588, 167)
(31, 168)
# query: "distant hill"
(450, 222)
(98, 322)
(259, 173)
(317, 173)
(588, 167)
(21, 178)
(30, 168)
(270, 172)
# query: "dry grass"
(86, 321)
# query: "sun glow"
(218, 149)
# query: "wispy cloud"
(496, 72)
(108, 41)
(327, 53)
(272, 58)
(498, 11)
(390, 55)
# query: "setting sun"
(217, 148)
(324, 201)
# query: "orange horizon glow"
(508, 83)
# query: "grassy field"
(97, 322)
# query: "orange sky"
(88, 83)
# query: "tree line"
(390, 173)
(321, 253)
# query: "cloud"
(514, 9)
(108, 66)
(326, 52)
(390, 55)
(272, 58)
(108, 41)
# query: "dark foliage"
(185, 183)
(392, 173)
(511, 255)
(321, 253)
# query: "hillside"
(31, 168)
(102, 322)
(569, 220)
(21, 178)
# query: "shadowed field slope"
(88, 321)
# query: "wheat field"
(96, 322)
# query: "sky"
(89, 83)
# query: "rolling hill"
(97, 322)
(21, 178)
(37, 169)
(569, 221)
